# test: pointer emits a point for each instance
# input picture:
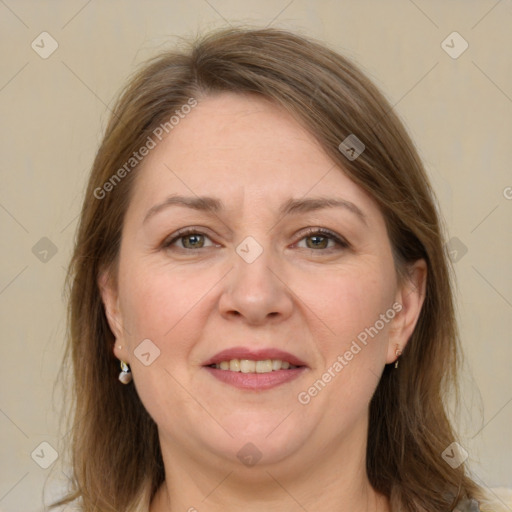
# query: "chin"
(260, 443)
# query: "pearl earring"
(398, 353)
(126, 375)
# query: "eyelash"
(323, 232)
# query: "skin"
(296, 296)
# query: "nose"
(256, 292)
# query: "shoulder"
(499, 500)
(467, 505)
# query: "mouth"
(254, 370)
(250, 366)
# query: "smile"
(251, 366)
(254, 369)
(254, 374)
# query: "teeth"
(264, 366)
(234, 365)
(250, 366)
(247, 366)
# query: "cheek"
(348, 303)
(156, 299)
(353, 347)
(168, 306)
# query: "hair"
(116, 458)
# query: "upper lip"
(254, 355)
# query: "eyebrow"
(204, 203)
(318, 203)
(292, 206)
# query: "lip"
(255, 355)
(255, 381)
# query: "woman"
(260, 260)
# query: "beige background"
(459, 112)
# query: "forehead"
(241, 148)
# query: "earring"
(126, 374)
(398, 353)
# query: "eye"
(321, 238)
(315, 238)
(188, 239)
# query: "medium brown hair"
(116, 459)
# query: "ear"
(110, 297)
(410, 296)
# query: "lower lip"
(255, 381)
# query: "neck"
(328, 479)
(227, 495)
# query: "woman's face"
(253, 282)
